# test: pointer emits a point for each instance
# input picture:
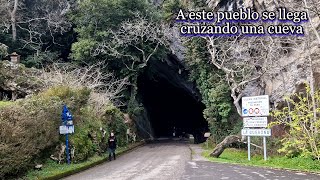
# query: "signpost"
(254, 110)
(66, 128)
(206, 135)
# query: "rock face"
(292, 70)
(300, 64)
(16, 81)
(173, 71)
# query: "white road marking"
(302, 174)
(261, 175)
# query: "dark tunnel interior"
(170, 106)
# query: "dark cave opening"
(171, 101)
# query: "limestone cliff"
(300, 61)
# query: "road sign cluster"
(254, 112)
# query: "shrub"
(302, 121)
(116, 123)
(29, 128)
(3, 50)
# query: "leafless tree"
(241, 60)
(8, 12)
(37, 19)
(141, 35)
(105, 87)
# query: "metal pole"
(264, 148)
(127, 138)
(249, 148)
(67, 148)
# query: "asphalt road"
(173, 160)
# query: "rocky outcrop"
(300, 64)
(293, 68)
(17, 81)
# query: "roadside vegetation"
(29, 129)
(5, 103)
(240, 156)
(297, 149)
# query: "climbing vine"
(219, 112)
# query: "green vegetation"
(302, 119)
(100, 22)
(122, 34)
(240, 157)
(5, 103)
(3, 50)
(29, 129)
(219, 112)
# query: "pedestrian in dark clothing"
(112, 145)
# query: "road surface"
(174, 160)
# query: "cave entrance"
(5, 95)
(172, 102)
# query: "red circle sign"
(256, 111)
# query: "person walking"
(112, 145)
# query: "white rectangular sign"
(255, 106)
(256, 132)
(207, 134)
(66, 129)
(255, 122)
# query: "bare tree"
(241, 60)
(141, 34)
(134, 43)
(13, 20)
(105, 87)
(36, 19)
(8, 12)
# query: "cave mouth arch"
(171, 101)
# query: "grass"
(53, 170)
(237, 156)
(5, 103)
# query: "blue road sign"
(66, 115)
(67, 119)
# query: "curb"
(74, 171)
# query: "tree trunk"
(13, 20)
(218, 150)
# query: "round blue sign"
(245, 111)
